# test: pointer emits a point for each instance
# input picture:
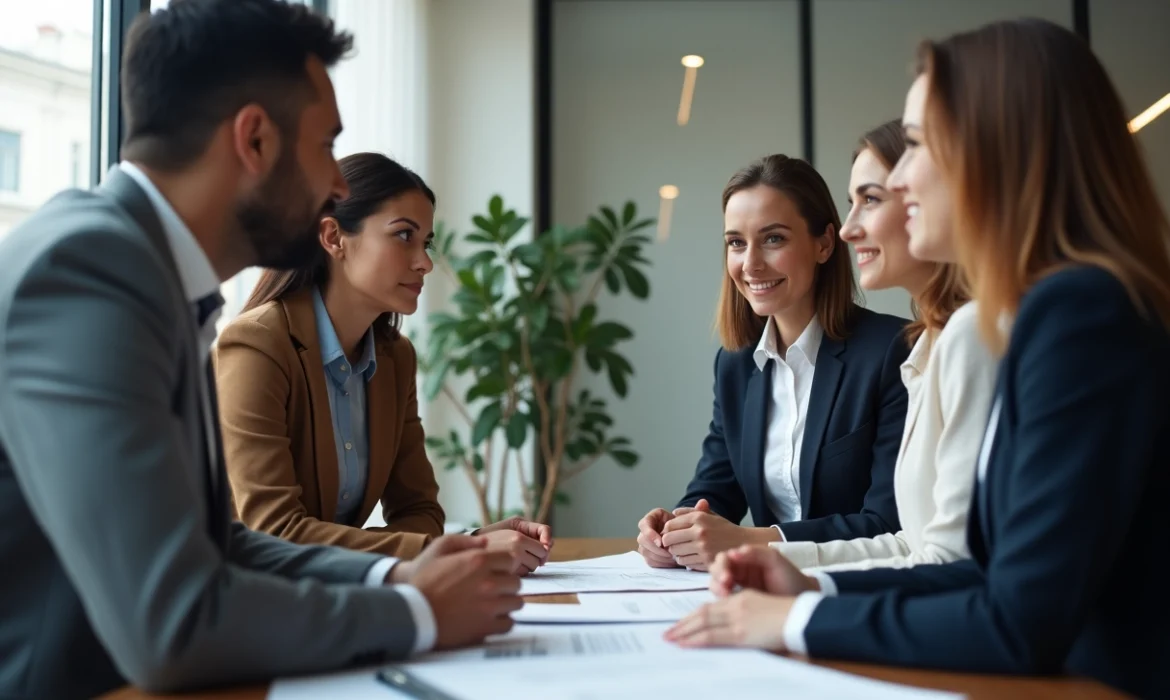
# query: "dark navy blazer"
(852, 432)
(1068, 528)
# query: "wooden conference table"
(976, 687)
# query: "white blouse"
(792, 378)
(950, 381)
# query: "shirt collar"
(332, 356)
(808, 344)
(195, 271)
(915, 363)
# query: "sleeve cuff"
(828, 585)
(798, 617)
(377, 574)
(781, 533)
(424, 620)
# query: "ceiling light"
(692, 64)
(666, 194)
(1152, 112)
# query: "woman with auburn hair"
(317, 392)
(809, 402)
(1018, 136)
(949, 376)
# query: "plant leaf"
(433, 383)
(477, 462)
(496, 206)
(640, 225)
(636, 281)
(612, 281)
(610, 217)
(617, 378)
(625, 458)
(484, 225)
(628, 213)
(488, 385)
(608, 333)
(511, 228)
(487, 422)
(517, 431)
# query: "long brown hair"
(946, 290)
(1031, 135)
(373, 180)
(835, 290)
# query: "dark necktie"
(215, 473)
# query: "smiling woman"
(809, 403)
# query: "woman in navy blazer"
(809, 400)
(1066, 247)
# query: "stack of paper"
(599, 662)
(550, 654)
(617, 607)
(622, 572)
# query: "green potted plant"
(524, 328)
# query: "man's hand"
(528, 543)
(746, 619)
(404, 571)
(695, 537)
(650, 539)
(471, 594)
(759, 568)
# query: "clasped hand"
(691, 537)
(528, 543)
(752, 617)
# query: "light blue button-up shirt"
(347, 404)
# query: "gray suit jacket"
(119, 562)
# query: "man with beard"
(119, 559)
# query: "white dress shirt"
(792, 378)
(951, 384)
(199, 279)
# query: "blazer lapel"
(122, 189)
(826, 379)
(302, 324)
(381, 416)
(755, 431)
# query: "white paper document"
(603, 662)
(745, 675)
(617, 607)
(622, 572)
(545, 641)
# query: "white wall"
(481, 124)
(616, 86)
(1130, 37)
(863, 58)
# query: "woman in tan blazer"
(317, 393)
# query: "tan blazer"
(279, 443)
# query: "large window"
(9, 161)
(46, 49)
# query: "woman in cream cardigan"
(949, 376)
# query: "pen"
(409, 684)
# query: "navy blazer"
(1067, 529)
(852, 432)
